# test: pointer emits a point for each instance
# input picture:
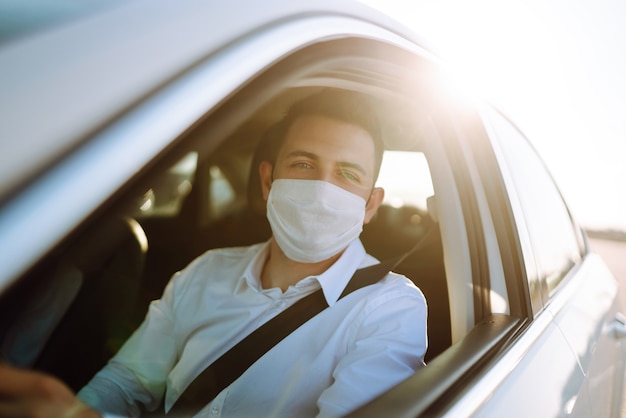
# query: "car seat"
(392, 232)
(110, 259)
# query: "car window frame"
(482, 340)
(540, 292)
(216, 120)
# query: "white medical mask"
(313, 220)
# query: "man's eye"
(349, 176)
(302, 164)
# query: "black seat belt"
(232, 364)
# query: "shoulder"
(220, 263)
(394, 309)
(395, 294)
(395, 285)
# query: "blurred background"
(557, 68)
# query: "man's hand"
(25, 393)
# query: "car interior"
(107, 273)
(85, 298)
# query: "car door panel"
(585, 320)
(536, 378)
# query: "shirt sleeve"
(388, 346)
(136, 376)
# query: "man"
(318, 181)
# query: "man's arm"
(388, 346)
(136, 376)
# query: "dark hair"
(343, 105)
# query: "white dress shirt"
(358, 348)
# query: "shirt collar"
(254, 269)
(334, 280)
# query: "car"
(128, 132)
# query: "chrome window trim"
(137, 134)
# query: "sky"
(557, 69)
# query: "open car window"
(90, 292)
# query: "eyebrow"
(315, 157)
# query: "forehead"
(331, 139)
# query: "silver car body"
(89, 103)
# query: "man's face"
(321, 148)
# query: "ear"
(376, 198)
(265, 173)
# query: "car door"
(549, 302)
(496, 333)
(576, 287)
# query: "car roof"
(20, 18)
(63, 81)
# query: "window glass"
(404, 216)
(408, 216)
(221, 192)
(405, 176)
(166, 196)
(405, 213)
(553, 235)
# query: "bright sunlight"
(555, 67)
